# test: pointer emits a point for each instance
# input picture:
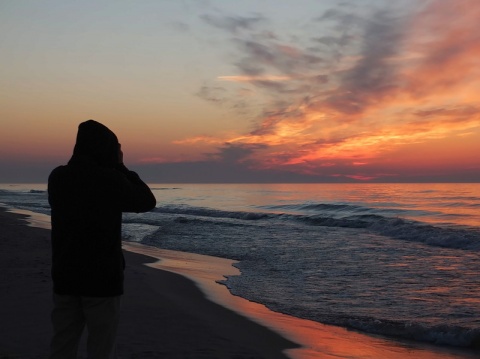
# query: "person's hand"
(120, 154)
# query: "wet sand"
(172, 308)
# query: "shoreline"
(164, 310)
(316, 340)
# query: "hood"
(95, 143)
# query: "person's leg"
(68, 323)
(102, 315)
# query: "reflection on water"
(457, 203)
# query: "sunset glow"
(365, 92)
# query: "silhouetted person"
(87, 197)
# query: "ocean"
(399, 260)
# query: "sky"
(245, 91)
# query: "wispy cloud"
(233, 24)
(374, 81)
(246, 78)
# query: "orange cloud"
(199, 139)
(447, 48)
(361, 96)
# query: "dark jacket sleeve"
(135, 195)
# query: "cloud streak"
(375, 81)
(233, 24)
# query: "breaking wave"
(394, 227)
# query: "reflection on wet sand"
(316, 340)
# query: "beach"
(164, 315)
(170, 315)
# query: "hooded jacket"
(87, 197)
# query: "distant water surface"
(393, 259)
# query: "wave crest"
(393, 227)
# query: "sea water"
(399, 260)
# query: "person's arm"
(135, 195)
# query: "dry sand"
(167, 315)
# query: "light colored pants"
(71, 314)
